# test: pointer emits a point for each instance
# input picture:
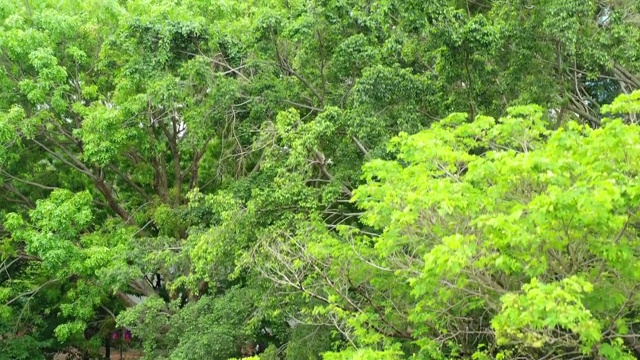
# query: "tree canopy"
(321, 179)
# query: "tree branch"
(28, 182)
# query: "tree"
(202, 155)
(496, 238)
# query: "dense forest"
(320, 179)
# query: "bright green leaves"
(404, 191)
(509, 217)
(109, 257)
(35, 56)
(521, 130)
(616, 351)
(364, 354)
(104, 133)
(64, 213)
(531, 317)
(89, 265)
(79, 305)
(624, 104)
(229, 137)
(46, 64)
(53, 232)
(449, 258)
(301, 140)
(223, 243)
(13, 125)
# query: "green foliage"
(365, 354)
(547, 306)
(216, 334)
(22, 348)
(339, 179)
(308, 342)
(509, 218)
(270, 353)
